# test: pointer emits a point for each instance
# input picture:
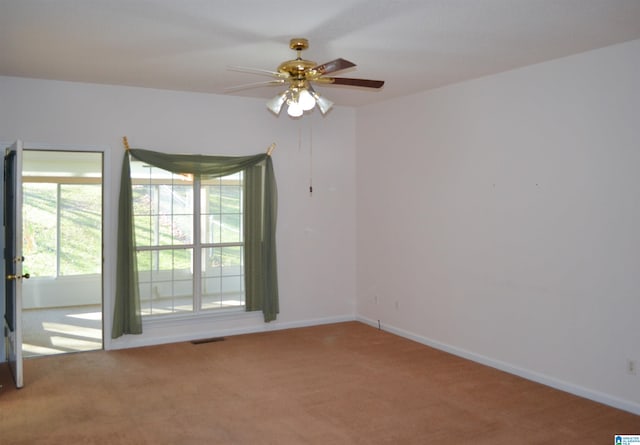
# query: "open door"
(62, 240)
(13, 259)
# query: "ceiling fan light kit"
(299, 100)
(299, 73)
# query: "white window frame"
(197, 247)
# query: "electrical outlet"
(397, 305)
(375, 299)
(632, 367)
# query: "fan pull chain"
(310, 153)
(311, 159)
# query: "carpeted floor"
(345, 383)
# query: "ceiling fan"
(298, 74)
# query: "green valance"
(260, 211)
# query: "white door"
(13, 259)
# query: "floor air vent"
(207, 340)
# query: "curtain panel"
(260, 211)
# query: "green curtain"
(260, 210)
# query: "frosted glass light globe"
(294, 109)
(306, 100)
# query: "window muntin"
(189, 241)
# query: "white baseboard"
(577, 390)
(156, 333)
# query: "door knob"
(18, 277)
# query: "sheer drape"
(260, 209)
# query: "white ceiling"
(413, 45)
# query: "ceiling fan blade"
(244, 69)
(367, 83)
(333, 66)
(255, 85)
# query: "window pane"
(80, 229)
(168, 228)
(142, 199)
(162, 206)
(165, 281)
(230, 199)
(210, 226)
(175, 214)
(175, 199)
(40, 229)
(143, 226)
(222, 277)
(222, 210)
(231, 260)
(230, 229)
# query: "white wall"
(316, 234)
(500, 219)
(74, 290)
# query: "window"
(189, 241)
(175, 252)
(62, 213)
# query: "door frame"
(109, 226)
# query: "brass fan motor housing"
(298, 69)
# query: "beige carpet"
(345, 383)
